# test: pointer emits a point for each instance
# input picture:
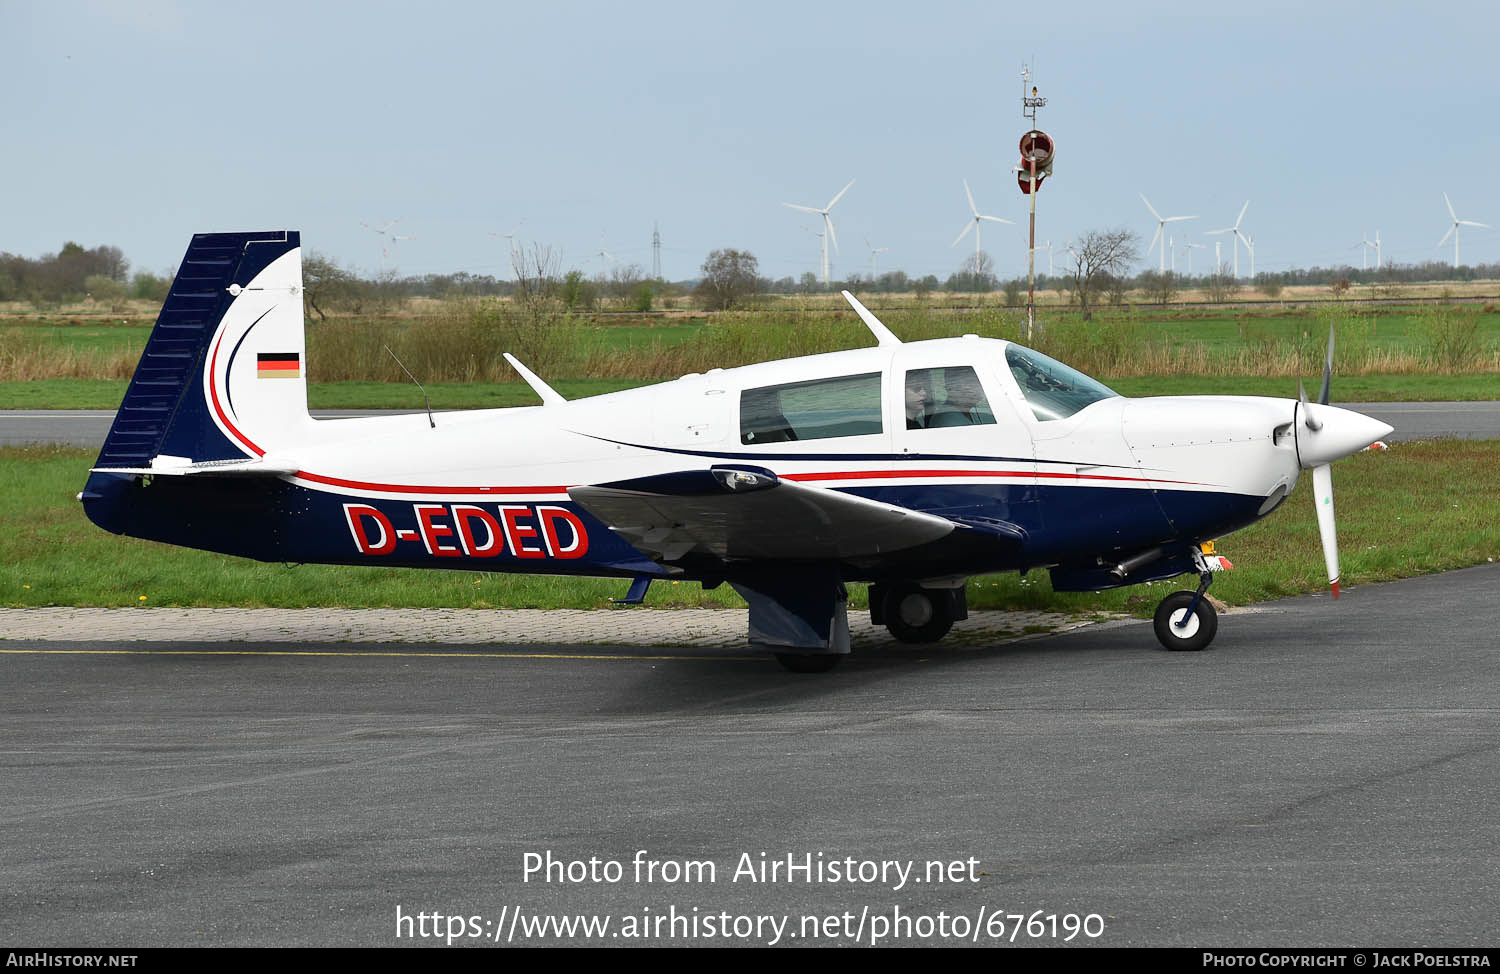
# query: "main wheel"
(917, 615)
(1179, 631)
(809, 662)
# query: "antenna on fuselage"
(883, 335)
(419, 386)
(550, 396)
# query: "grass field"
(1383, 354)
(107, 393)
(1419, 508)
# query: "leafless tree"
(1097, 257)
(324, 283)
(536, 278)
(1221, 285)
(729, 278)
(1160, 287)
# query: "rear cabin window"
(818, 409)
(943, 397)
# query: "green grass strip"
(1419, 508)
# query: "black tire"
(1198, 632)
(918, 615)
(809, 662)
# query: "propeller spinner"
(1324, 434)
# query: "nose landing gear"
(1186, 621)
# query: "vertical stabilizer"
(224, 373)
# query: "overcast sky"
(138, 123)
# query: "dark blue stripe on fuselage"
(272, 520)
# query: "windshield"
(1053, 390)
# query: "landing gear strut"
(1186, 621)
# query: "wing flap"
(734, 513)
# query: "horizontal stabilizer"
(181, 467)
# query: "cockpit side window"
(946, 396)
(1052, 389)
(847, 405)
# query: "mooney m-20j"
(913, 466)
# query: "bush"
(578, 292)
(1451, 337)
(642, 296)
(1269, 284)
(106, 291)
(148, 287)
(1159, 287)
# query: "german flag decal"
(278, 365)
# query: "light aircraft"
(909, 465)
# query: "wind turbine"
(1048, 248)
(1453, 230)
(827, 225)
(510, 241)
(605, 257)
(1365, 248)
(1238, 239)
(1190, 248)
(1161, 223)
(391, 236)
(873, 252)
(973, 224)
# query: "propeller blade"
(839, 197)
(831, 235)
(1174, 219)
(1242, 213)
(804, 209)
(1323, 497)
(1327, 369)
(1450, 206)
(996, 219)
(1309, 419)
(1447, 235)
(1154, 238)
(1150, 207)
(970, 194)
(964, 233)
(1471, 223)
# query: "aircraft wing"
(734, 513)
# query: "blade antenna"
(413, 378)
(550, 396)
(883, 335)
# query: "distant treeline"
(102, 274)
(74, 273)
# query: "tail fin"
(223, 376)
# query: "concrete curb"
(626, 627)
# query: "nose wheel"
(1186, 621)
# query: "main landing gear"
(914, 614)
(1186, 621)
